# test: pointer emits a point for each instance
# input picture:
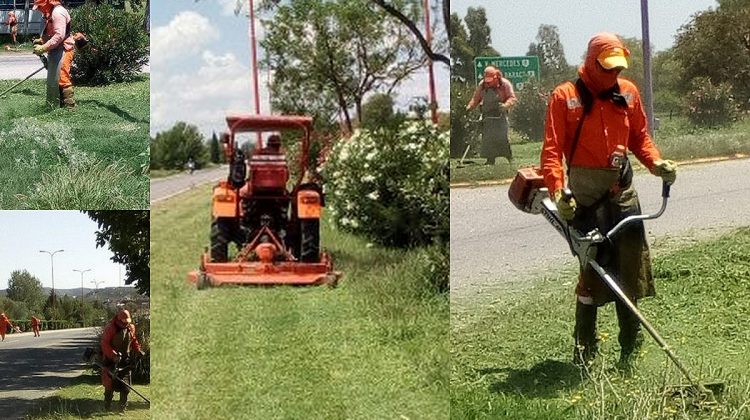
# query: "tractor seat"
(268, 169)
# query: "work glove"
(39, 49)
(566, 208)
(37, 41)
(666, 169)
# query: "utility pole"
(648, 89)
(428, 37)
(52, 265)
(254, 48)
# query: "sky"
(514, 24)
(25, 233)
(201, 66)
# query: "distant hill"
(103, 294)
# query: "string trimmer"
(527, 193)
(44, 66)
(89, 356)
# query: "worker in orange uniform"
(495, 94)
(35, 323)
(118, 344)
(591, 125)
(59, 45)
(12, 24)
(4, 324)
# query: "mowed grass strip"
(84, 398)
(676, 139)
(375, 347)
(513, 361)
(107, 134)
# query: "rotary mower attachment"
(528, 194)
(274, 223)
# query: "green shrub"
(710, 105)
(464, 124)
(391, 187)
(119, 46)
(528, 115)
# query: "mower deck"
(259, 273)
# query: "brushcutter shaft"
(113, 375)
(633, 309)
(27, 78)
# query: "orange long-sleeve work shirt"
(606, 127)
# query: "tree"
(469, 41)
(552, 63)
(413, 27)
(378, 112)
(172, 148)
(215, 149)
(716, 44)
(127, 235)
(327, 55)
(24, 287)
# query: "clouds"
(186, 33)
(195, 80)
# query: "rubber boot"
(108, 400)
(123, 401)
(67, 100)
(586, 346)
(630, 337)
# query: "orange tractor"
(274, 223)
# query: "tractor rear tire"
(221, 236)
(309, 240)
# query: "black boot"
(108, 400)
(490, 161)
(586, 345)
(630, 337)
(123, 401)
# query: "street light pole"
(96, 285)
(52, 265)
(82, 271)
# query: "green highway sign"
(516, 69)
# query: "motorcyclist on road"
(591, 124)
(118, 344)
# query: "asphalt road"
(18, 66)
(33, 368)
(163, 188)
(495, 247)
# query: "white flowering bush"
(391, 186)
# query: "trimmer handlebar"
(630, 219)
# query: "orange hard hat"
(124, 317)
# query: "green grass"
(513, 359)
(91, 157)
(375, 347)
(84, 398)
(676, 139)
